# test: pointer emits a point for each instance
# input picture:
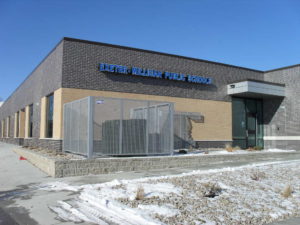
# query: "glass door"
(251, 130)
(247, 122)
(251, 119)
(239, 130)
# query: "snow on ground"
(225, 152)
(251, 194)
(277, 150)
(221, 152)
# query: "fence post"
(65, 128)
(90, 121)
(121, 127)
(147, 128)
(78, 123)
(171, 108)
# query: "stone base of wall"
(57, 144)
(80, 167)
(43, 143)
(49, 144)
(15, 141)
(289, 145)
(212, 144)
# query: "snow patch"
(161, 210)
(242, 199)
(278, 150)
(59, 186)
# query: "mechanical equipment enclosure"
(101, 126)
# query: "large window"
(30, 121)
(49, 117)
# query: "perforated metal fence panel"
(118, 127)
(76, 120)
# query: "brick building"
(240, 106)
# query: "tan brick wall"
(57, 114)
(26, 121)
(217, 114)
(16, 125)
(21, 124)
(7, 126)
(2, 128)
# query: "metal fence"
(96, 126)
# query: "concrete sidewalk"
(15, 173)
(23, 202)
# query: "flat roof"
(156, 52)
(174, 55)
(258, 81)
(143, 50)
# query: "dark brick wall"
(282, 117)
(80, 70)
(50, 144)
(290, 145)
(212, 144)
(45, 79)
(15, 141)
(11, 124)
(36, 120)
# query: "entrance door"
(251, 130)
(251, 118)
(247, 122)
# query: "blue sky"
(259, 34)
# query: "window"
(30, 121)
(49, 116)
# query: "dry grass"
(257, 175)
(211, 190)
(287, 192)
(255, 148)
(229, 148)
(140, 193)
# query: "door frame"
(246, 120)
